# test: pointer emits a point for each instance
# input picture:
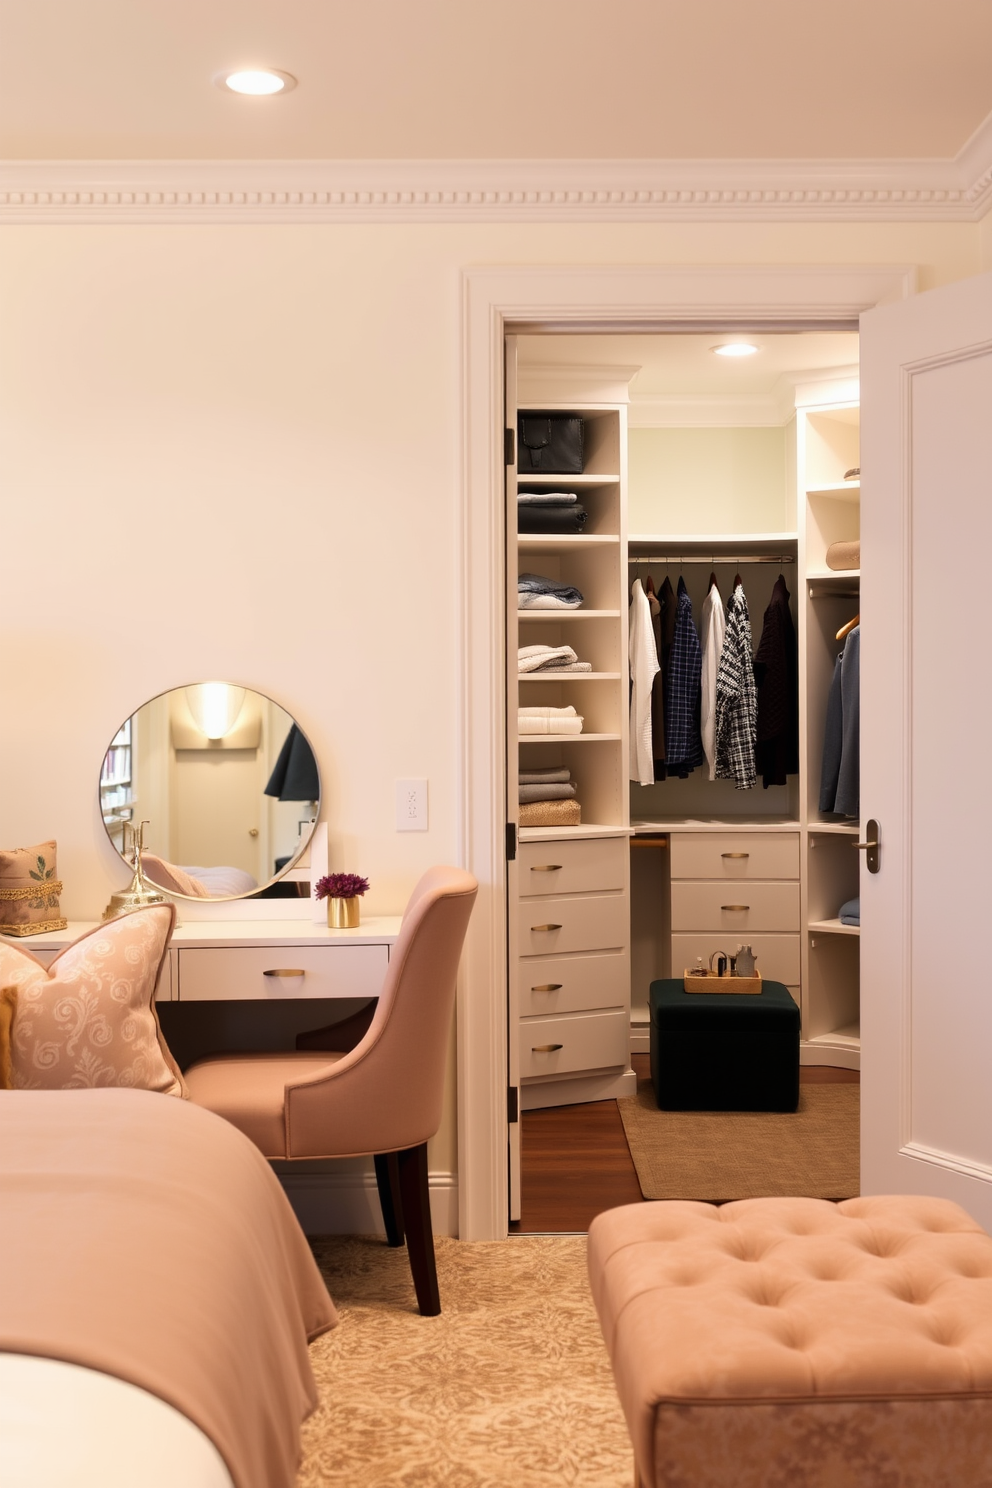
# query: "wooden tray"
(710, 982)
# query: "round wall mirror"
(228, 784)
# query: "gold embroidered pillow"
(29, 891)
(89, 1019)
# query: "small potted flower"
(342, 892)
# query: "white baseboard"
(577, 1089)
(348, 1203)
(640, 1038)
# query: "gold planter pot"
(344, 914)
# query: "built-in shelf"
(548, 542)
(846, 581)
(549, 834)
(845, 828)
(566, 614)
(833, 927)
(838, 490)
(565, 482)
(565, 738)
(715, 824)
(755, 540)
(848, 1037)
(558, 676)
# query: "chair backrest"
(386, 1093)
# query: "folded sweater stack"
(549, 720)
(535, 592)
(550, 511)
(550, 659)
(547, 798)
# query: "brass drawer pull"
(546, 868)
(545, 927)
(286, 972)
(545, 1048)
(735, 906)
(735, 855)
(548, 987)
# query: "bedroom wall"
(234, 452)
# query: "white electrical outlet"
(411, 805)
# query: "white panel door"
(926, 688)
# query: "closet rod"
(732, 558)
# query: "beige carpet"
(721, 1155)
(509, 1388)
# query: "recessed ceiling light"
(259, 82)
(735, 349)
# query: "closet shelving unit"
(827, 446)
(568, 887)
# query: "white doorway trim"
(605, 298)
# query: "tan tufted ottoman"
(795, 1343)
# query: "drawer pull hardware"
(546, 868)
(289, 971)
(735, 855)
(545, 1048)
(545, 927)
(735, 906)
(548, 987)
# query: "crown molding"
(958, 190)
(770, 410)
(558, 382)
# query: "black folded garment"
(532, 517)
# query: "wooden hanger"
(846, 629)
(713, 582)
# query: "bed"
(157, 1297)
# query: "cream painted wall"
(234, 452)
(707, 480)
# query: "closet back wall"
(737, 477)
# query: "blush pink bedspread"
(146, 1238)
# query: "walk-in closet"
(711, 490)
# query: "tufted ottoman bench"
(795, 1343)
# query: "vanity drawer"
(777, 955)
(735, 855)
(274, 973)
(735, 909)
(596, 863)
(583, 922)
(570, 984)
(576, 1041)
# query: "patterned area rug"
(721, 1155)
(509, 1388)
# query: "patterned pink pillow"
(89, 1019)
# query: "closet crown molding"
(958, 190)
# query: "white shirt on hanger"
(712, 629)
(643, 669)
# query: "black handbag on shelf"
(549, 443)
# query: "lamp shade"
(294, 777)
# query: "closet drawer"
(577, 1041)
(569, 984)
(735, 909)
(232, 973)
(583, 922)
(777, 955)
(735, 855)
(572, 867)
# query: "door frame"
(529, 299)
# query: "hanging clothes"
(712, 630)
(736, 703)
(643, 660)
(664, 636)
(840, 779)
(683, 743)
(776, 678)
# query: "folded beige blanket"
(150, 1240)
(548, 792)
(550, 725)
(841, 555)
(551, 814)
(531, 658)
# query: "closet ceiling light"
(735, 349)
(259, 82)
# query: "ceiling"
(522, 80)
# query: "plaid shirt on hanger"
(736, 699)
(682, 737)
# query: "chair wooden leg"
(387, 1180)
(419, 1234)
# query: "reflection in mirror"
(229, 784)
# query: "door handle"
(545, 927)
(872, 846)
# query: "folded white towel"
(531, 658)
(550, 725)
(568, 712)
(531, 601)
(552, 668)
(547, 498)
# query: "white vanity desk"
(259, 960)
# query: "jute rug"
(509, 1388)
(721, 1155)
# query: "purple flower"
(340, 886)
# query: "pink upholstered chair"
(382, 1098)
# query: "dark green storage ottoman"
(724, 1051)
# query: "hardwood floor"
(575, 1159)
